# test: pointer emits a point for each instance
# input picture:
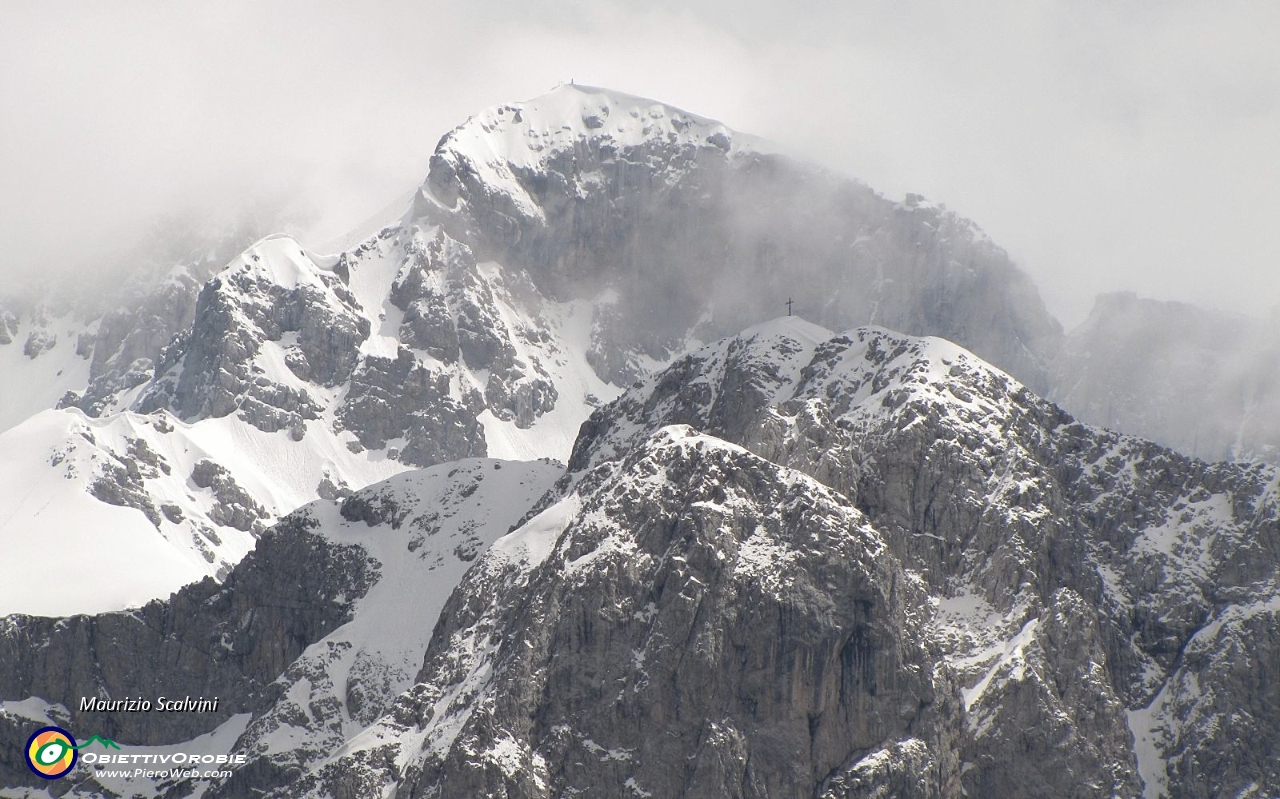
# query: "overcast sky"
(1106, 145)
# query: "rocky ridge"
(625, 199)
(989, 575)
(1015, 513)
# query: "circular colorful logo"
(51, 752)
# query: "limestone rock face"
(692, 620)
(404, 399)
(451, 312)
(129, 344)
(269, 297)
(233, 506)
(1080, 574)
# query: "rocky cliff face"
(227, 641)
(909, 576)
(691, 620)
(1008, 508)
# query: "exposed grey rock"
(350, 678)
(1102, 556)
(240, 310)
(404, 398)
(1048, 722)
(450, 311)
(38, 343)
(330, 490)
(121, 483)
(233, 506)
(428, 322)
(129, 343)
(706, 623)
(1221, 704)
(145, 302)
(150, 462)
(173, 513)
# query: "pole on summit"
(788, 306)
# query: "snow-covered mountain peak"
(529, 133)
(507, 143)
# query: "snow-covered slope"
(425, 529)
(136, 506)
(378, 567)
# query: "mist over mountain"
(530, 468)
(1200, 381)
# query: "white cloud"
(1106, 145)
